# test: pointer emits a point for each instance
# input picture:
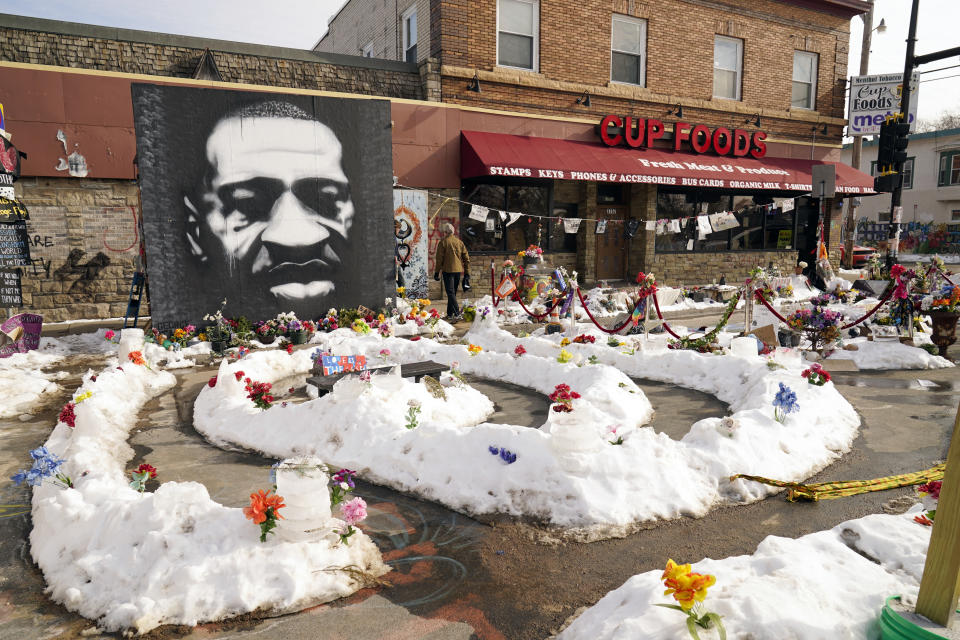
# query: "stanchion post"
(940, 584)
(573, 309)
(646, 319)
(748, 310)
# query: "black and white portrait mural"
(274, 202)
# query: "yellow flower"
(565, 342)
(401, 291)
(522, 254)
(202, 337)
(474, 349)
(673, 570)
(81, 397)
(687, 587)
(565, 356)
(424, 302)
(381, 318)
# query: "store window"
(949, 169)
(628, 46)
(518, 33)
(955, 215)
(611, 193)
(409, 21)
(727, 67)
(531, 199)
(907, 172)
(760, 228)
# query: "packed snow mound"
(822, 585)
(891, 354)
(133, 561)
(596, 471)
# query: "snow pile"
(174, 556)
(889, 354)
(23, 382)
(568, 471)
(772, 593)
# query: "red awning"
(498, 154)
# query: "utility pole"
(896, 209)
(858, 140)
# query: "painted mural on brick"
(410, 229)
(272, 202)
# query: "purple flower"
(508, 457)
(345, 475)
(494, 449)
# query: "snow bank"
(567, 472)
(775, 592)
(135, 561)
(889, 354)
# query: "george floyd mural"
(273, 202)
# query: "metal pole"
(646, 319)
(896, 209)
(858, 140)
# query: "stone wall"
(67, 44)
(85, 233)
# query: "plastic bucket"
(894, 627)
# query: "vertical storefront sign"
(11, 294)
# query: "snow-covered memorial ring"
(591, 472)
(132, 561)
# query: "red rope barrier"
(759, 296)
(883, 301)
(534, 315)
(663, 323)
(493, 287)
(594, 320)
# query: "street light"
(880, 28)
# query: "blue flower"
(784, 402)
(35, 477)
(39, 452)
(19, 477)
(508, 457)
(494, 449)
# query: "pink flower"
(109, 334)
(354, 511)
(384, 352)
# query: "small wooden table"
(415, 370)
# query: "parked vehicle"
(860, 255)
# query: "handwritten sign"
(12, 210)
(10, 293)
(340, 364)
(28, 327)
(14, 245)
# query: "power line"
(941, 69)
(956, 75)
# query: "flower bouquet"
(816, 375)
(821, 326)
(531, 255)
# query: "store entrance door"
(611, 244)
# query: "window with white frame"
(628, 46)
(949, 168)
(518, 29)
(408, 24)
(368, 50)
(727, 67)
(804, 94)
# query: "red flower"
(67, 415)
(136, 357)
(931, 488)
(147, 468)
(414, 338)
(519, 350)
(290, 348)
(239, 375)
(212, 382)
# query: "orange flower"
(260, 502)
(136, 357)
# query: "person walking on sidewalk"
(453, 261)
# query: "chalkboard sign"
(10, 293)
(14, 245)
(12, 210)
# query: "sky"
(301, 23)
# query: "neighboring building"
(397, 30)
(931, 179)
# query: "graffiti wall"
(915, 237)
(272, 202)
(410, 229)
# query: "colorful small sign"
(341, 364)
(506, 287)
(27, 326)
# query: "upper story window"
(949, 168)
(907, 182)
(727, 67)
(804, 94)
(368, 50)
(518, 33)
(409, 28)
(628, 47)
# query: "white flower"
(728, 426)
(413, 403)
(344, 486)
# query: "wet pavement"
(454, 577)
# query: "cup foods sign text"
(873, 98)
(640, 132)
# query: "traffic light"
(891, 153)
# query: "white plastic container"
(303, 485)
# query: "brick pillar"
(587, 237)
(430, 79)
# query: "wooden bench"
(415, 370)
